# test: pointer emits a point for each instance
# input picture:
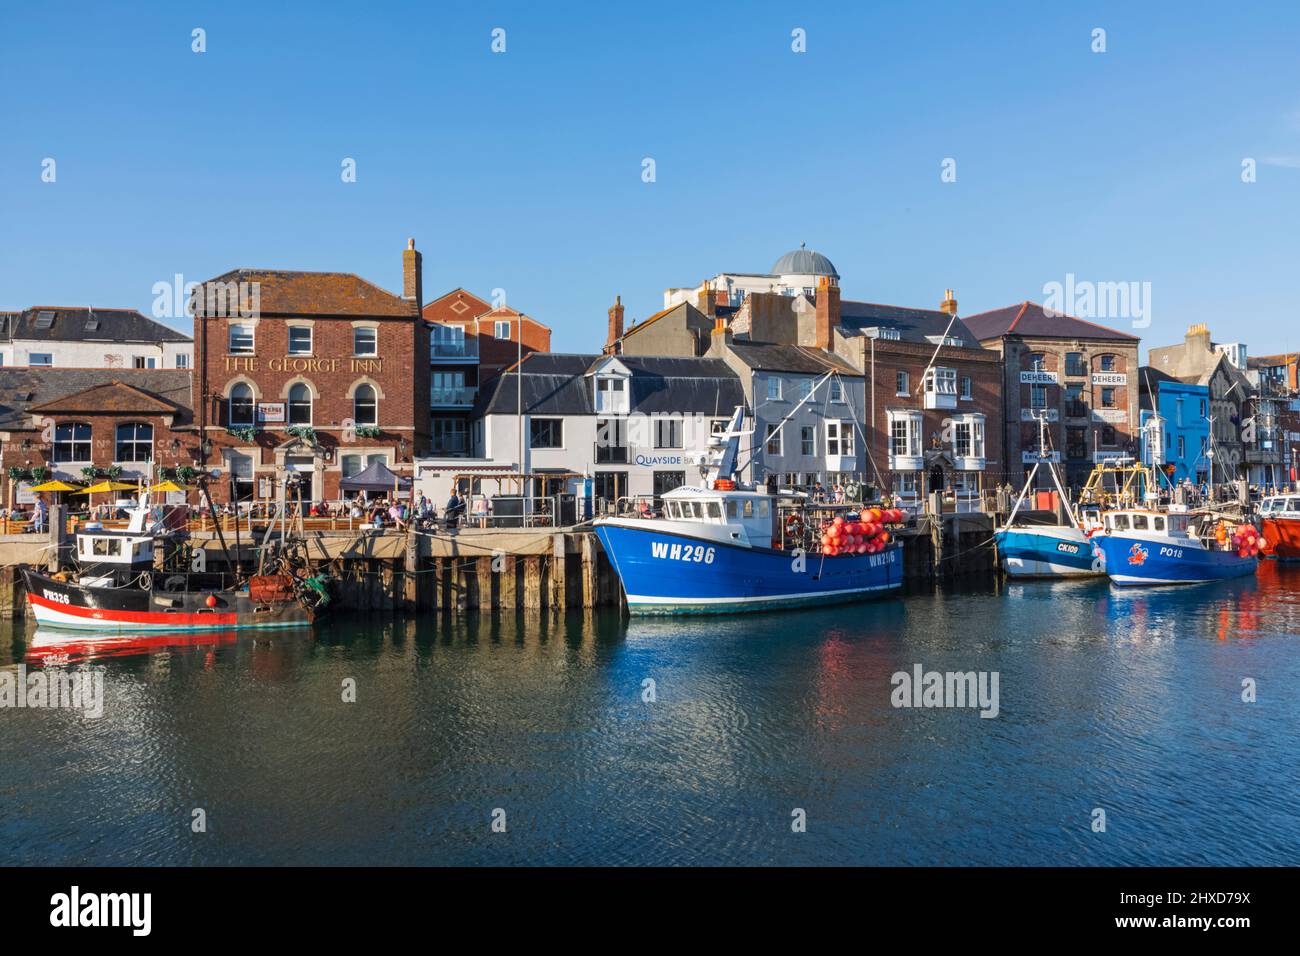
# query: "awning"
(376, 477)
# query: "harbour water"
(1124, 701)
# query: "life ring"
(852, 490)
(793, 526)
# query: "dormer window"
(611, 395)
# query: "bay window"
(941, 388)
(905, 441)
(839, 438)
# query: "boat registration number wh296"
(56, 597)
(681, 552)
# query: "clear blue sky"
(522, 170)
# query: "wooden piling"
(590, 591)
(508, 592)
(559, 583)
(532, 582)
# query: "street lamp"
(205, 449)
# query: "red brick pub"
(313, 373)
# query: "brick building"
(470, 343)
(315, 373)
(69, 423)
(1082, 376)
(933, 395)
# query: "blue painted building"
(1175, 425)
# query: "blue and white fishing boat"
(1142, 547)
(719, 548)
(1060, 550)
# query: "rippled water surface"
(1127, 701)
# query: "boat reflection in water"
(53, 646)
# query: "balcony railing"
(452, 351)
(457, 397)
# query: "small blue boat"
(1052, 551)
(717, 548)
(1060, 550)
(1140, 547)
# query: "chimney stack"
(615, 321)
(949, 303)
(413, 275)
(1199, 335)
(828, 313)
(705, 300)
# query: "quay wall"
(499, 569)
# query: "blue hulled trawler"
(717, 547)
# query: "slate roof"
(22, 388)
(557, 384)
(769, 357)
(912, 325)
(85, 324)
(286, 292)
(1029, 318)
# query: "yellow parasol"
(54, 486)
(168, 486)
(107, 486)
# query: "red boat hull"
(1283, 536)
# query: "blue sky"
(522, 170)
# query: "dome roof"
(804, 262)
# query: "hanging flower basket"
(244, 433)
(39, 473)
(18, 474)
(368, 431)
(304, 432)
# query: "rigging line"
(754, 446)
(866, 445)
(942, 340)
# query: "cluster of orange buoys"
(1247, 541)
(868, 534)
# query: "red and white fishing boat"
(1280, 523)
(147, 577)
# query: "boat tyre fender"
(794, 526)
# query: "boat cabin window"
(672, 509)
(762, 507)
(1292, 504)
(1119, 522)
(1139, 522)
(1158, 523)
(107, 547)
(715, 510)
(731, 508)
(748, 508)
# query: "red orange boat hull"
(1283, 536)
